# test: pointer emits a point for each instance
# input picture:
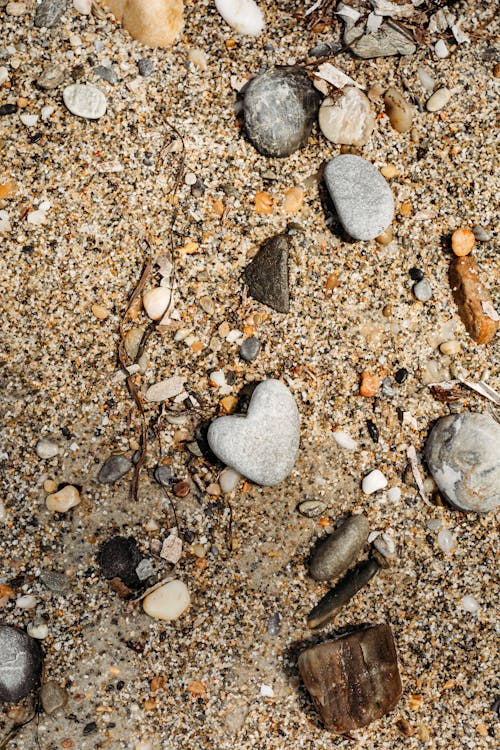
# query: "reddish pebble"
(369, 385)
(181, 489)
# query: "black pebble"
(119, 557)
(372, 430)
(416, 274)
(401, 375)
(267, 274)
(89, 728)
(20, 664)
(189, 536)
(8, 109)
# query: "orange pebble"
(369, 385)
(8, 189)
(263, 203)
(462, 241)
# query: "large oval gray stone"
(20, 664)
(463, 454)
(262, 445)
(280, 108)
(361, 196)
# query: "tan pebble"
(346, 149)
(229, 404)
(263, 203)
(230, 43)
(496, 70)
(133, 444)
(369, 385)
(62, 501)
(189, 248)
(199, 58)
(167, 602)
(214, 489)
(387, 311)
(482, 729)
(332, 281)
(375, 92)
(438, 100)
(198, 550)
(207, 305)
(385, 237)
(132, 342)
(398, 109)
(294, 198)
(157, 683)
(389, 171)
(156, 302)
(49, 486)
(415, 702)
(8, 189)
(406, 208)
(156, 23)
(223, 329)
(450, 347)
(424, 734)
(197, 347)
(218, 207)
(462, 241)
(100, 311)
(22, 102)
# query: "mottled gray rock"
(250, 349)
(20, 664)
(106, 73)
(361, 196)
(84, 100)
(267, 274)
(54, 581)
(163, 475)
(114, 468)
(388, 40)
(280, 108)
(422, 290)
(340, 549)
(463, 454)
(347, 119)
(51, 77)
(262, 445)
(49, 12)
(311, 508)
(52, 697)
(146, 66)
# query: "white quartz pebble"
(167, 602)
(27, 120)
(156, 302)
(470, 604)
(38, 630)
(426, 78)
(171, 549)
(28, 601)
(384, 544)
(266, 691)
(46, 449)
(83, 6)
(228, 480)
(394, 494)
(85, 100)
(438, 100)
(446, 541)
(46, 112)
(244, 16)
(344, 440)
(373, 481)
(62, 501)
(441, 49)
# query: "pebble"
(354, 679)
(294, 199)
(49, 12)
(384, 544)
(446, 541)
(119, 557)
(426, 78)
(114, 468)
(267, 274)
(165, 389)
(64, 500)
(398, 109)
(56, 582)
(373, 482)
(274, 624)
(46, 449)
(244, 16)
(85, 100)
(229, 480)
(438, 100)
(463, 455)
(311, 508)
(450, 347)
(339, 550)
(441, 49)
(474, 303)
(16, 9)
(163, 475)
(51, 78)
(362, 198)
(4, 74)
(38, 630)
(106, 73)
(100, 311)
(345, 441)
(422, 290)
(394, 494)
(3, 512)
(167, 602)
(198, 58)
(28, 601)
(155, 24)
(146, 66)
(7, 109)
(171, 549)
(280, 108)
(249, 349)
(387, 40)
(29, 121)
(156, 302)
(263, 445)
(347, 119)
(52, 697)
(481, 234)
(470, 604)
(462, 241)
(20, 664)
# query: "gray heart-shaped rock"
(262, 445)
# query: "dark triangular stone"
(267, 274)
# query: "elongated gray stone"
(463, 454)
(20, 664)
(340, 549)
(262, 445)
(280, 108)
(361, 196)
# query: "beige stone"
(157, 23)
(62, 501)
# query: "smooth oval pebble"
(362, 198)
(344, 440)
(62, 501)
(20, 663)
(244, 16)
(446, 541)
(441, 49)
(470, 604)
(228, 480)
(438, 100)
(114, 468)
(422, 290)
(156, 302)
(85, 100)
(398, 109)
(373, 482)
(347, 119)
(167, 602)
(340, 549)
(311, 508)
(46, 449)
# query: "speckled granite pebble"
(114, 468)
(49, 12)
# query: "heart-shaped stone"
(263, 444)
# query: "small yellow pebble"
(462, 241)
(406, 208)
(482, 729)
(294, 198)
(389, 171)
(188, 248)
(263, 203)
(450, 347)
(100, 311)
(49, 486)
(229, 404)
(223, 329)
(8, 189)
(62, 501)
(385, 237)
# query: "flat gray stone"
(361, 196)
(249, 349)
(463, 454)
(51, 77)
(114, 468)
(49, 12)
(262, 445)
(20, 664)
(85, 100)
(267, 274)
(335, 554)
(52, 697)
(388, 40)
(280, 108)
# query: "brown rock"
(399, 111)
(475, 306)
(353, 680)
(156, 23)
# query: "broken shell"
(340, 549)
(353, 680)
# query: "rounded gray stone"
(280, 108)
(339, 550)
(422, 290)
(263, 444)
(361, 196)
(114, 468)
(463, 455)
(85, 100)
(250, 349)
(20, 664)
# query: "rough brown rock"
(474, 304)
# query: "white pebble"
(199, 58)
(441, 49)
(28, 120)
(5, 225)
(171, 550)
(166, 389)
(39, 631)
(244, 16)
(156, 302)
(37, 218)
(470, 604)
(344, 440)
(446, 541)
(394, 494)
(385, 545)
(85, 100)
(4, 74)
(426, 78)
(438, 100)
(450, 347)
(266, 691)
(167, 602)
(83, 6)
(3, 512)
(190, 178)
(62, 501)
(228, 480)
(218, 378)
(434, 524)
(28, 601)
(46, 112)
(373, 481)
(46, 449)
